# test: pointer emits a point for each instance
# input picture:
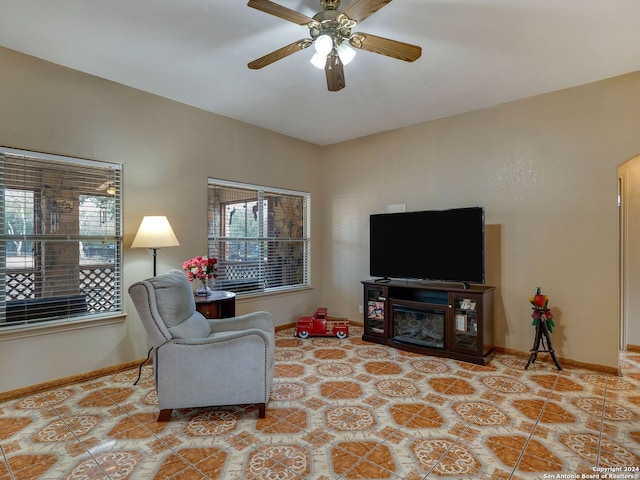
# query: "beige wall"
(544, 168)
(168, 150)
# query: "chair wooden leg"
(262, 410)
(165, 415)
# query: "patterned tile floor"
(341, 409)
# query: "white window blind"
(260, 236)
(61, 241)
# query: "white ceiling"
(475, 53)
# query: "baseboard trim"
(510, 351)
(66, 381)
(285, 326)
(633, 348)
(564, 362)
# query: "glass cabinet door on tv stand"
(375, 317)
(464, 331)
(470, 328)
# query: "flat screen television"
(436, 245)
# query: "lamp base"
(155, 256)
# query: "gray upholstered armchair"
(199, 362)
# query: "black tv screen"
(438, 245)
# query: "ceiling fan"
(108, 186)
(330, 30)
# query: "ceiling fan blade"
(385, 46)
(279, 54)
(334, 72)
(361, 9)
(279, 11)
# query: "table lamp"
(155, 232)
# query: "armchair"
(199, 362)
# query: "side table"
(219, 304)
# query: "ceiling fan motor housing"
(333, 23)
(330, 4)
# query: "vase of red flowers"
(202, 270)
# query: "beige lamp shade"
(155, 232)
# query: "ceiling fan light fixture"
(346, 53)
(318, 60)
(324, 45)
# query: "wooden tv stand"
(445, 320)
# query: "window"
(61, 239)
(260, 237)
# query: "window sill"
(13, 333)
(273, 292)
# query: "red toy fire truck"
(320, 325)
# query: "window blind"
(260, 236)
(61, 241)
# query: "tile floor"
(340, 409)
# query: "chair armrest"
(221, 337)
(219, 345)
(260, 320)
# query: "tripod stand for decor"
(543, 321)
